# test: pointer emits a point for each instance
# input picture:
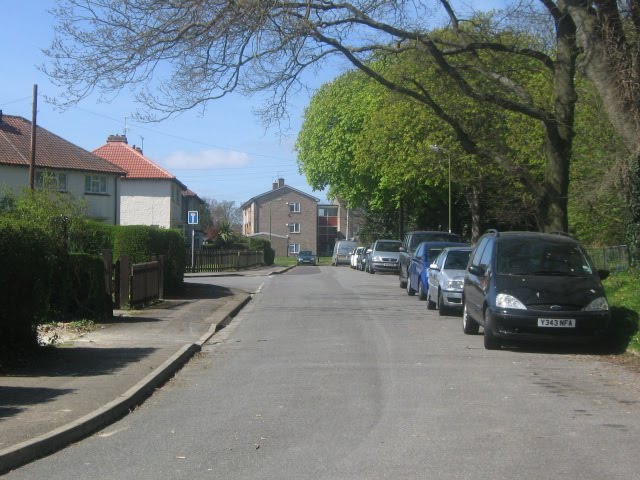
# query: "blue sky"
(225, 153)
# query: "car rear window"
(418, 238)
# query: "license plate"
(557, 322)
(389, 264)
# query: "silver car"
(446, 279)
(384, 256)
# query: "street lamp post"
(436, 148)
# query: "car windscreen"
(528, 256)
(457, 259)
(432, 254)
(305, 253)
(388, 246)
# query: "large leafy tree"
(197, 51)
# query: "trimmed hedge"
(28, 259)
(91, 237)
(87, 296)
(264, 245)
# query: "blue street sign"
(193, 217)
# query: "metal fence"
(614, 259)
(207, 260)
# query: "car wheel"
(491, 342)
(410, 290)
(442, 308)
(469, 325)
(431, 305)
(372, 270)
(421, 295)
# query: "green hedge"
(87, 296)
(261, 244)
(91, 237)
(142, 243)
(28, 259)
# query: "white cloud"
(205, 159)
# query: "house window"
(51, 181)
(294, 248)
(294, 227)
(294, 207)
(95, 184)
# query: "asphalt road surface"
(330, 373)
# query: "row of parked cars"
(515, 285)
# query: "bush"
(85, 295)
(261, 244)
(91, 237)
(25, 284)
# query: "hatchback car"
(445, 279)
(527, 286)
(356, 257)
(306, 257)
(424, 255)
(383, 256)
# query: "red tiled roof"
(132, 161)
(52, 151)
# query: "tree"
(184, 54)
(375, 148)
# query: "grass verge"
(622, 293)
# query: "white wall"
(146, 202)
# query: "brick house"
(60, 165)
(285, 216)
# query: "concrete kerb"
(30, 450)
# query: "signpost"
(192, 219)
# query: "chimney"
(137, 149)
(274, 185)
(0, 117)
(280, 182)
(117, 139)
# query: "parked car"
(383, 256)
(524, 285)
(419, 263)
(410, 243)
(355, 257)
(306, 257)
(445, 279)
(342, 252)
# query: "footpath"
(90, 380)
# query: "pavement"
(92, 379)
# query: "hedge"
(264, 245)
(28, 259)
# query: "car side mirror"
(368, 250)
(433, 266)
(477, 270)
(402, 249)
(603, 274)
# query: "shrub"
(25, 284)
(91, 237)
(264, 245)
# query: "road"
(330, 373)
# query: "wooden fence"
(135, 284)
(208, 260)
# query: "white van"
(342, 252)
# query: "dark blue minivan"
(528, 285)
